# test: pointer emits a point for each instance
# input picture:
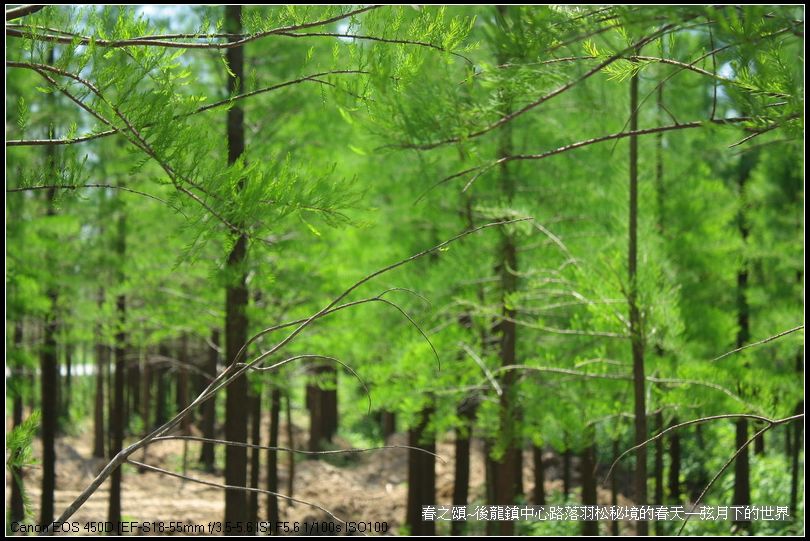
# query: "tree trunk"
(461, 477)
(506, 481)
(162, 387)
(421, 476)
(119, 388)
(742, 471)
(17, 502)
(181, 396)
(49, 383)
(255, 403)
(489, 484)
(388, 424)
(636, 331)
(539, 494)
(614, 488)
(134, 378)
(272, 455)
(291, 445)
(102, 359)
(566, 458)
(588, 472)
(209, 408)
(658, 474)
(674, 465)
(797, 447)
(236, 298)
(322, 404)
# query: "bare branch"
(299, 451)
(765, 341)
(81, 186)
(232, 487)
(310, 356)
(22, 11)
(483, 366)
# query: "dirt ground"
(362, 487)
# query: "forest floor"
(361, 487)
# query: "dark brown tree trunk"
(636, 331)
(119, 388)
(49, 386)
(519, 490)
(236, 298)
(489, 484)
(388, 424)
(181, 395)
(162, 386)
(658, 495)
(461, 477)
(272, 455)
(588, 472)
(742, 471)
(566, 460)
(255, 401)
(506, 480)
(674, 465)
(539, 493)
(102, 359)
(209, 407)
(421, 476)
(614, 488)
(322, 404)
(17, 502)
(291, 445)
(798, 431)
(134, 387)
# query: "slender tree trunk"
(49, 377)
(162, 387)
(742, 471)
(798, 431)
(255, 403)
(489, 484)
(636, 331)
(119, 388)
(272, 455)
(658, 495)
(291, 445)
(539, 494)
(209, 408)
(588, 472)
(236, 298)
(614, 488)
(674, 465)
(17, 503)
(421, 476)
(134, 378)
(181, 396)
(505, 482)
(461, 477)
(566, 459)
(102, 358)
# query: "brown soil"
(362, 487)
